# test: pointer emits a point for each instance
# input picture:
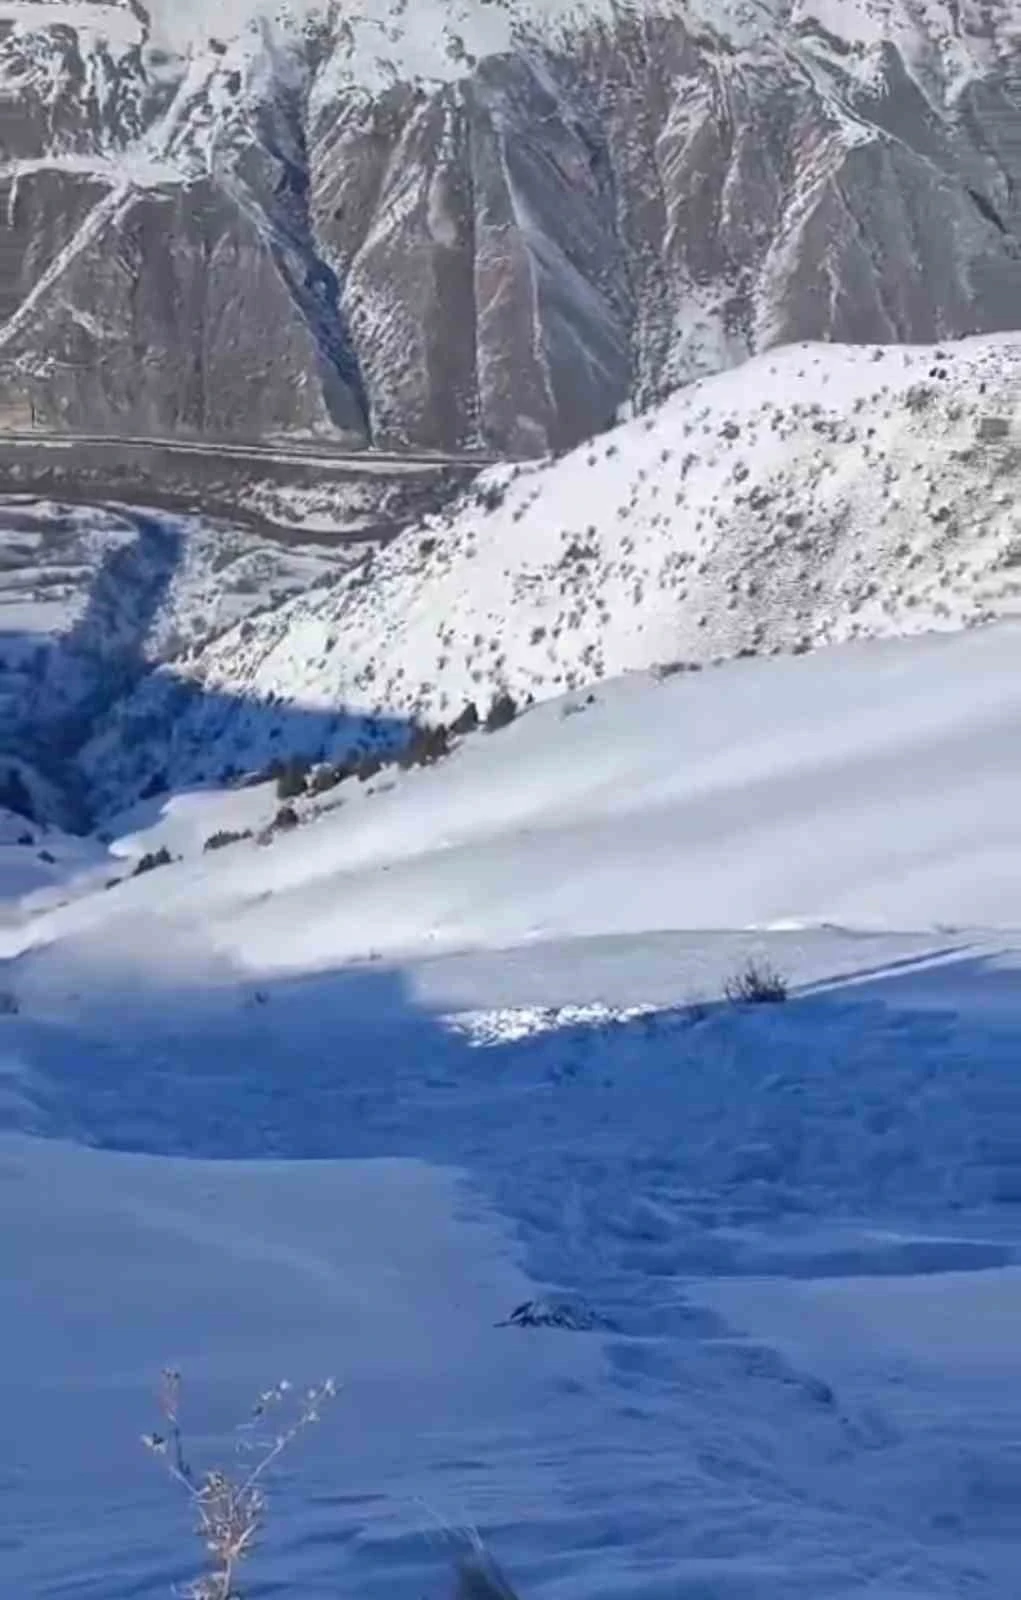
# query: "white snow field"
(336, 1104)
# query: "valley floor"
(792, 1230)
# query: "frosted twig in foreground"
(231, 1509)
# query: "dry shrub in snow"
(501, 713)
(291, 778)
(230, 1504)
(757, 983)
(230, 1507)
(152, 860)
(224, 837)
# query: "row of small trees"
(426, 744)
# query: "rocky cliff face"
(440, 224)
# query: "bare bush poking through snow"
(501, 713)
(231, 1509)
(152, 860)
(291, 778)
(758, 983)
(425, 747)
(224, 837)
(466, 721)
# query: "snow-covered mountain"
(818, 494)
(453, 222)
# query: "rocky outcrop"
(271, 237)
(173, 316)
(157, 271)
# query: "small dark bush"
(672, 669)
(757, 984)
(285, 819)
(501, 713)
(919, 397)
(291, 778)
(425, 746)
(224, 837)
(577, 552)
(555, 1314)
(490, 496)
(154, 859)
(467, 721)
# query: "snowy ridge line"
(434, 37)
(821, 494)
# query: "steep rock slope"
(819, 494)
(461, 222)
(158, 272)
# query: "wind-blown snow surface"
(817, 494)
(283, 1053)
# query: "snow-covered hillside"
(433, 1066)
(355, 1092)
(870, 785)
(818, 494)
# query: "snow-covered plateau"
(335, 1085)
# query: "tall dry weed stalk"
(231, 1508)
